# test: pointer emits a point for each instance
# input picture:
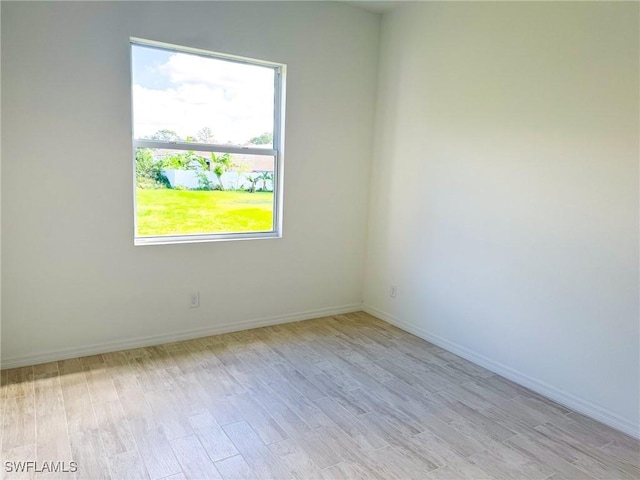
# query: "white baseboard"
(558, 395)
(106, 347)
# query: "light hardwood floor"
(340, 397)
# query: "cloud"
(235, 100)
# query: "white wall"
(71, 275)
(504, 198)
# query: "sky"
(185, 92)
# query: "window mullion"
(203, 147)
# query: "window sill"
(206, 238)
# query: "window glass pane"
(182, 192)
(185, 97)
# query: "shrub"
(149, 171)
(203, 181)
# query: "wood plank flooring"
(344, 397)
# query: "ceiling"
(376, 6)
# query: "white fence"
(230, 180)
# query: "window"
(207, 145)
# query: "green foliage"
(203, 181)
(265, 177)
(265, 139)
(220, 164)
(149, 171)
(150, 163)
(253, 179)
(199, 162)
(144, 161)
(184, 161)
(176, 161)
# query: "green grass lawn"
(167, 212)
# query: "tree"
(265, 139)
(177, 161)
(144, 160)
(205, 135)
(253, 179)
(265, 177)
(220, 164)
(149, 170)
(165, 135)
(202, 162)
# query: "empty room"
(320, 240)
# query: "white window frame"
(277, 150)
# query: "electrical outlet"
(194, 300)
(393, 291)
